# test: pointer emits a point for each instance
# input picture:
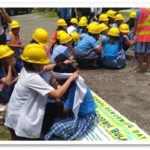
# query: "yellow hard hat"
(84, 18)
(74, 20)
(124, 28)
(5, 51)
(59, 33)
(65, 38)
(75, 36)
(40, 35)
(111, 13)
(35, 53)
(61, 22)
(132, 14)
(14, 24)
(102, 27)
(94, 22)
(114, 31)
(94, 29)
(103, 17)
(119, 17)
(82, 23)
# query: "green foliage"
(4, 134)
(46, 12)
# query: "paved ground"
(126, 91)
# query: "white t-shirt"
(71, 29)
(26, 107)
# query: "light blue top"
(110, 50)
(103, 38)
(87, 106)
(87, 43)
(60, 49)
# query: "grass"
(4, 134)
(46, 12)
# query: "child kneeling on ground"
(78, 114)
(113, 56)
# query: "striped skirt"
(70, 128)
(142, 47)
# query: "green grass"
(4, 134)
(50, 13)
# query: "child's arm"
(128, 41)
(48, 67)
(98, 49)
(61, 90)
(14, 45)
(9, 78)
(5, 15)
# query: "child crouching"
(79, 107)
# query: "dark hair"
(33, 41)
(64, 68)
(60, 58)
(131, 23)
(29, 66)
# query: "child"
(78, 114)
(64, 48)
(103, 31)
(126, 42)
(25, 111)
(111, 16)
(112, 54)
(131, 20)
(57, 41)
(88, 50)
(9, 69)
(76, 38)
(103, 18)
(61, 25)
(13, 38)
(119, 19)
(74, 26)
(131, 34)
(40, 36)
(82, 30)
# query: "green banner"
(116, 125)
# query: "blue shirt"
(87, 106)
(18, 68)
(103, 38)
(110, 50)
(87, 43)
(60, 49)
(137, 14)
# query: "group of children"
(48, 99)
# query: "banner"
(112, 126)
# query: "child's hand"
(58, 100)
(67, 61)
(125, 36)
(74, 76)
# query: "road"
(125, 90)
